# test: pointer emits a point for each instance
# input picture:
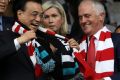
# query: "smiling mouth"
(2, 6)
(36, 25)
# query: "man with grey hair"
(99, 48)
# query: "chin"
(35, 30)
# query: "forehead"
(86, 7)
(33, 6)
(52, 10)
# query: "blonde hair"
(55, 4)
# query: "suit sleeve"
(7, 49)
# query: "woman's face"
(53, 19)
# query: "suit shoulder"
(115, 38)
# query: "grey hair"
(99, 8)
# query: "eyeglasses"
(35, 13)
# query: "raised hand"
(73, 43)
(26, 37)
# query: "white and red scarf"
(104, 66)
(17, 28)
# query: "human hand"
(26, 37)
(73, 43)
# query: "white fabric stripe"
(106, 29)
(38, 45)
(17, 45)
(74, 50)
(33, 59)
(33, 42)
(104, 66)
(21, 30)
(59, 36)
(67, 47)
(83, 46)
(28, 43)
(107, 78)
(67, 58)
(42, 29)
(102, 45)
(14, 26)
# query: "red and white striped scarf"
(17, 28)
(104, 65)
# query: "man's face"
(31, 16)
(3, 5)
(89, 20)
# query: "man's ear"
(19, 12)
(102, 16)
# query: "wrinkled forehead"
(86, 6)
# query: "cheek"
(59, 23)
(45, 22)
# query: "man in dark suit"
(99, 49)
(5, 21)
(20, 47)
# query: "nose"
(50, 19)
(38, 18)
(82, 20)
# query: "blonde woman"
(55, 20)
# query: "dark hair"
(117, 28)
(20, 5)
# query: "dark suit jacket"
(116, 43)
(15, 65)
(7, 23)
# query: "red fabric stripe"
(30, 49)
(24, 31)
(106, 54)
(84, 67)
(104, 36)
(83, 54)
(38, 70)
(17, 28)
(51, 32)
